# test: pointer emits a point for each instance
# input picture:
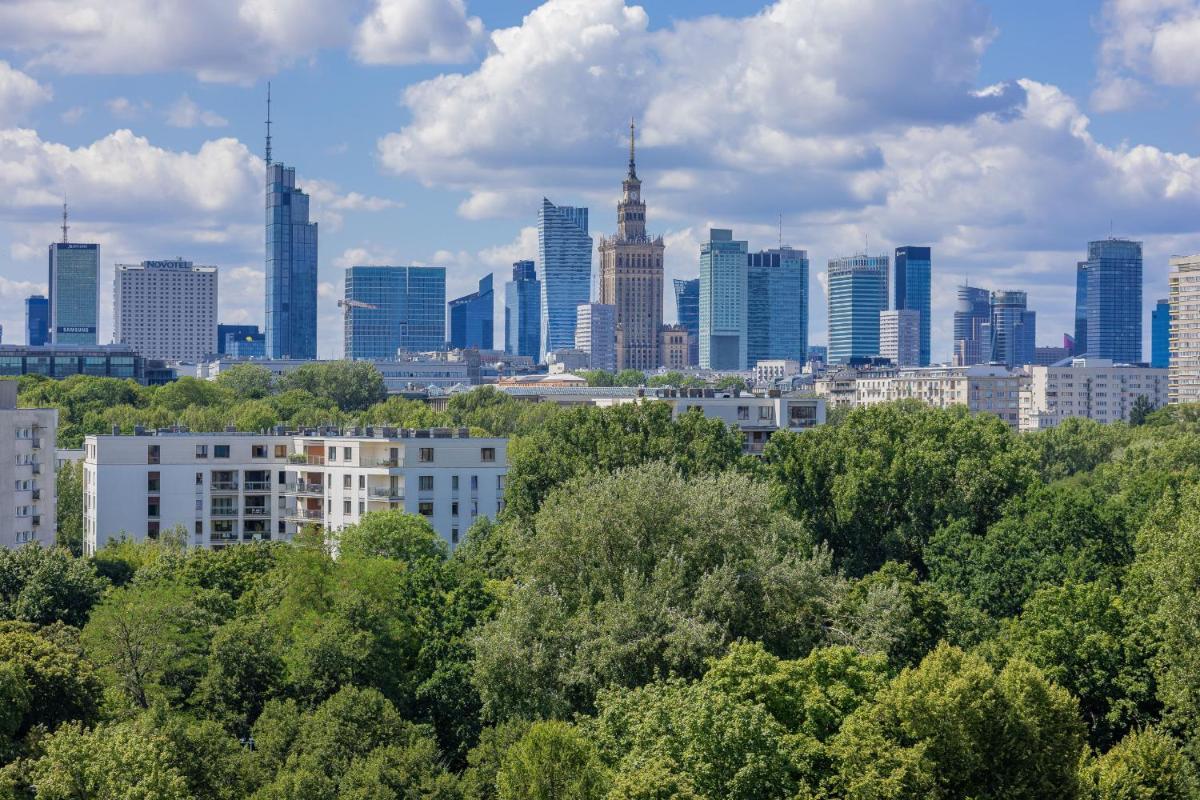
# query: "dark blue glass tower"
(291, 308)
(394, 308)
(1160, 335)
(37, 320)
(565, 256)
(1080, 309)
(687, 309)
(776, 305)
(74, 293)
(914, 266)
(237, 332)
(523, 312)
(473, 316)
(1114, 300)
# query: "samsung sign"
(75, 329)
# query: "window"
(152, 481)
(743, 412)
(362, 481)
(346, 454)
(281, 451)
(362, 507)
(454, 536)
(151, 530)
(474, 483)
(454, 509)
(258, 451)
(199, 478)
(151, 506)
(345, 506)
(332, 454)
(474, 508)
(425, 509)
(347, 481)
(425, 455)
(152, 454)
(487, 454)
(766, 412)
(282, 526)
(281, 478)
(201, 451)
(425, 483)
(199, 527)
(454, 482)
(220, 451)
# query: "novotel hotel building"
(74, 293)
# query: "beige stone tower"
(631, 277)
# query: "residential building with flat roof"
(28, 489)
(1184, 368)
(1091, 388)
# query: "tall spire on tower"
(64, 225)
(632, 167)
(268, 156)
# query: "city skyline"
(164, 157)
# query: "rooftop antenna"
(268, 123)
(780, 230)
(64, 224)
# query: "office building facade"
(565, 259)
(291, 268)
(724, 306)
(473, 318)
(523, 312)
(166, 309)
(27, 466)
(900, 336)
(393, 308)
(776, 305)
(74, 293)
(913, 292)
(631, 276)
(596, 334)
(1184, 368)
(1114, 300)
(858, 292)
(1012, 329)
(37, 320)
(1160, 334)
(972, 319)
(1081, 315)
(227, 332)
(687, 309)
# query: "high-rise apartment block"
(74, 293)
(1013, 329)
(723, 302)
(473, 317)
(1184, 369)
(1114, 300)
(565, 258)
(1093, 388)
(27, 481)
(914, 266)
(291, 296)
(392, 308)
(776, 305)
(900, 336)
(596, 334)
(972, 320)
(1160, 334)
(523, 312)
(631, 276)
(166, 309)
(225, 488)
(858, 291)
(687, 309)
(37, 320)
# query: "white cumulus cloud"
(418, 31)
(19, 93)
(185, 113)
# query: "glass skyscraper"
(523, 312)
(858, 291)
(723, 302)
(972, 319)
(1160, 335)
(687, 309)
(1114, 300)
(777, 305)
(226, 333)
(565, 254)
(291, 297)
(409, 311)
(473, 316)
(1081, 330)
(37, 320)
(1013, 329)
(74, 293)
(914, 266)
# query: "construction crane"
(349, 304)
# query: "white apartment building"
(1093, 388)
(399, 375)
(27, 488)
(981, 388)
(596, 334)
(237, 487)
(166, 309)
(769, 370)
(1184, 368)
(900, 336)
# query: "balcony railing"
(224, 511)
(222, 537)
(255, 511)
(303, 488)
(256, 536)
(307, 514)
(387, 492)
(224, 486)
(258, 486)
(388, 462)
(305, 458)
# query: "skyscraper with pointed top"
(291, 263)
(74, 284)
(631, 275)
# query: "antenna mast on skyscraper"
(780, 230)
(64, 225)
(268, 123)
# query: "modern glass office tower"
(1081, 316)
(858, 291)
(596, 334)
(394, 308)
(523, 312)
(473, 316)
(291, 298)
(227, 332)
(1160, 335)
(914, 267)
(1114, 300)
(687, 309)
(74, 293)
(37, 320)
(1013, 329)
(565, 254)
(777, 305)
(971, 320)
(723, 302)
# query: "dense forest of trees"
(910, 603)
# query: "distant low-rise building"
(416, 370)
(981, 388)
(1091, 388)
(674, 342)
(771, 370)
(65, 360)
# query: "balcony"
(306, 515)
(224, 511)
(37, 494)
(256, 511)
(386, 493)
(305, 458)
(37, 520)
(302, 487)
(256, 536)
(224, 486)
(258, 486)
(388, 462)
(37, 444)
(223, 537)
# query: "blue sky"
(1003, 134)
